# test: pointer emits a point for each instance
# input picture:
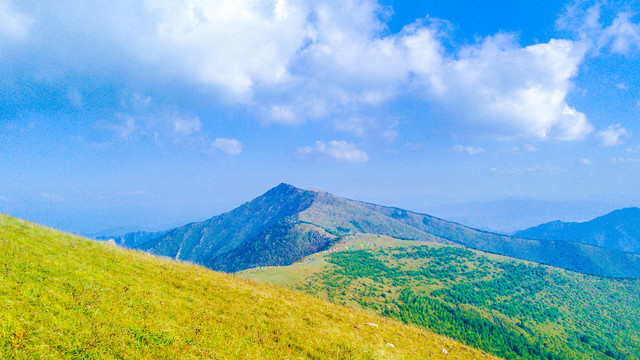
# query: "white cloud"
(283, 115)
(468, 149)
(365, 127)
(517, 91)
(586, 18)
(126, 128)
(227, 146)
(186, 125)
(338, 150)
(521, 150)
(586, 161)
(143, 117)
(622, 36)
(234, 44)
(632, 149)
(291, 61)
(13, 25)
(612, 135)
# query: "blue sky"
(157, 113)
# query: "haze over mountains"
(619, 230)
(287, 223)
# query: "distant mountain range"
(618, 230)
(287, 223)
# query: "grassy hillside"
(619, 230)
(511, 308)
(64, 297)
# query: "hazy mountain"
(112, 232)
(619, 230)
(286, 224)
(132, 239)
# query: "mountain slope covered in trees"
(511, 308)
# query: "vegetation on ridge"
(511, 308)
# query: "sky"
(151, 114)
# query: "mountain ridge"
(286, 224)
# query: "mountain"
(511, 308)
(132, 239)
(66, 297)
(287, 223)
(618, 230)
(278, 228)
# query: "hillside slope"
(618, 230)
(512, 308)
(286, 224)
(65, 297)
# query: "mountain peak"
(285, 186)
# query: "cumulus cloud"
(612, 135)
(292, 61)
(227, 146)
(606, 26)
(622, 36)
(518, 91)
(337, 150)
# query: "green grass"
(512, 308)
(65, 297)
